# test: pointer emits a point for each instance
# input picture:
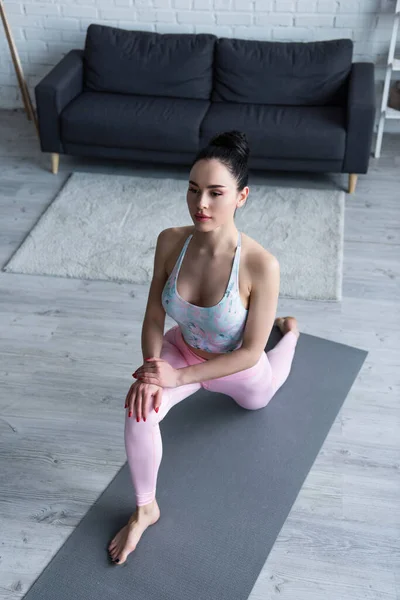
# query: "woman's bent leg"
(253, 388)
(143, 441)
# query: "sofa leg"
(55, 159)
(352, 182)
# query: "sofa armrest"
(53, 93)
(360, 117)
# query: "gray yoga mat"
(227, 481)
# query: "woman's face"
(219, 202)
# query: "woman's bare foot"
(128, 537)
(286, 324)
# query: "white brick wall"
(45, 30)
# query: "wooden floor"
(68, 348)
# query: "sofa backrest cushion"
(283, 73)
(147, 63)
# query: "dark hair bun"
(233, 140)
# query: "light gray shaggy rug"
(103, 226)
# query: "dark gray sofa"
(145, 96)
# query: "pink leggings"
(252, 389)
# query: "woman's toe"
(122, 557)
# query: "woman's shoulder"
(174, 235)
(255, 252)
(173, 239)
(255, 259)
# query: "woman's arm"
(154, 317)
(152, 338)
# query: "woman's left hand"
(158, 371)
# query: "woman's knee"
(252, 406)
(148, 412)
(256, 402)
(135, 427)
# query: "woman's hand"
(158, 371)
(140, 399)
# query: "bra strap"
(182, 254)
(237, 260)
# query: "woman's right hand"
(140, 396)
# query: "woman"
(222, 328)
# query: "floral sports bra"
(213, 329)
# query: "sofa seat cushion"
(311, 132)
(142, 122)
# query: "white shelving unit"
(393, 65)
